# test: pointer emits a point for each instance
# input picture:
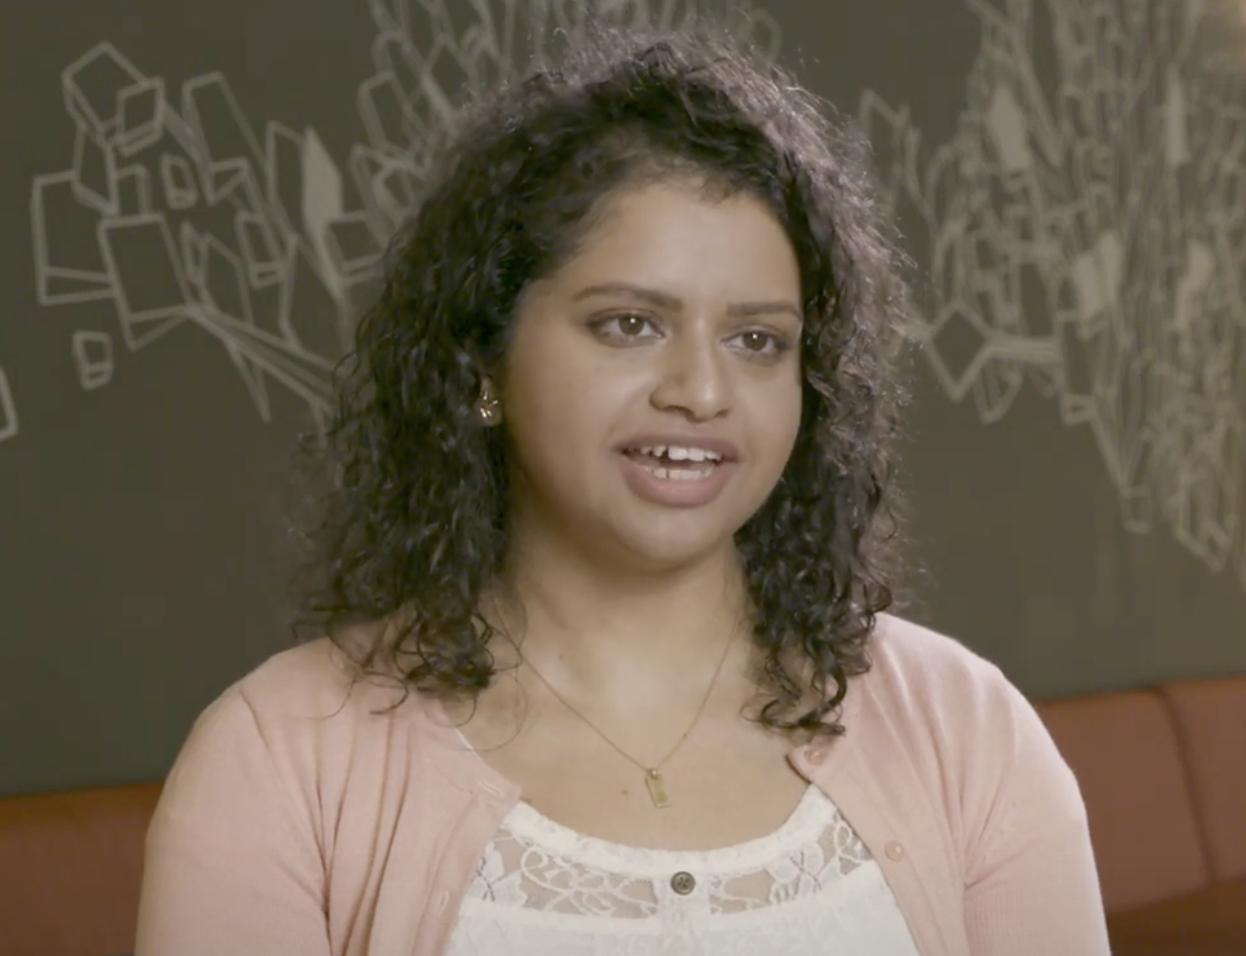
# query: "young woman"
(608, 670)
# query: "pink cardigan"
(302, 821)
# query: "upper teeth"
(676, 453)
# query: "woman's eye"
(631, 325)
(624, 328)
(762, 343)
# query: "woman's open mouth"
(683, 476)
(676, 463)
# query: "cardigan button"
(894, 851)
(683, 883)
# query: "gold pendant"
(657, 789)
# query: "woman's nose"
(693, 380)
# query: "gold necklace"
(653, 775)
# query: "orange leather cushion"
(70, 870)
(1210, 716)
(1211, 922)
(1123, 749)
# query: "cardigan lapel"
(873, 779)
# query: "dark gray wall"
(141, 566)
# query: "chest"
(729, 782)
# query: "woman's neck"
(601, 629)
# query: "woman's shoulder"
(955, 713)
(312, 672)
(313, 697)
(319, 673)
(902, 645)
(303, 723)
(920, 671)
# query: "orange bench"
(1163, 773)
(70, 868)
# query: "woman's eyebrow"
(665, 300)
(765, 308)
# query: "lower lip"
(675, 492)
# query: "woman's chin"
(665, 550)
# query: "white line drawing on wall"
(176, 216)
(1091, 238)
(8, 411)
(183, 215)
(93, 359)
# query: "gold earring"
(488, 408)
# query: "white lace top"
(809, 889)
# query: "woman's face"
(652, 387)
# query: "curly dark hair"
(414, 528)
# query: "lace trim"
(803, 826)
(536, 863)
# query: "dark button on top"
(683, 883)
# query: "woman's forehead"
(672, 233)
